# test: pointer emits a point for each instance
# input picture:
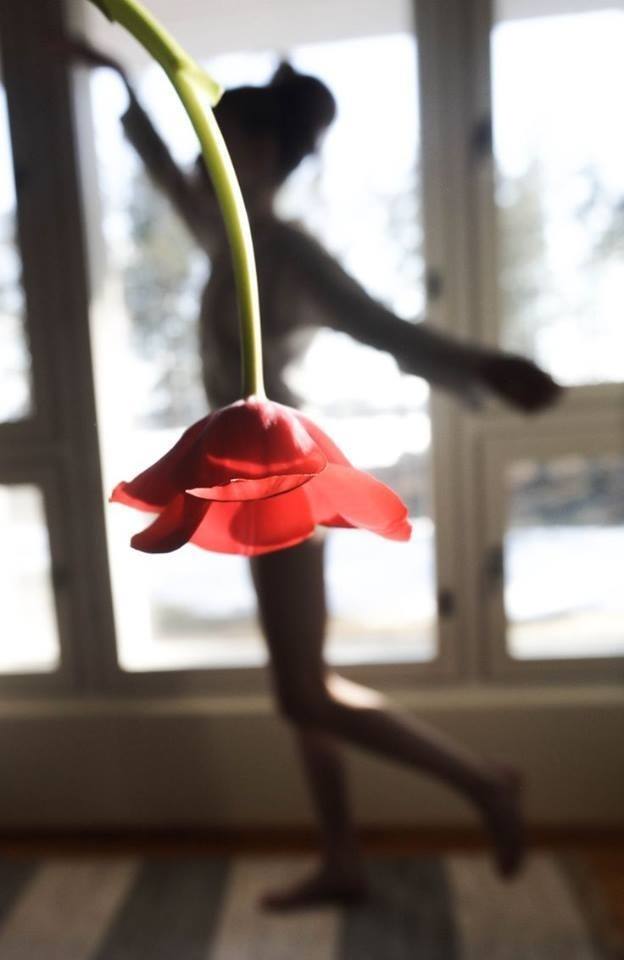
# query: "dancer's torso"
(287, 319)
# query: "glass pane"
(364, 205)
(29, 641)
(563, 558)
(559, 149)
(191, 608)
(15, 386)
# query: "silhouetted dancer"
(269, 130)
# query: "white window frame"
(499, 449)
(57, 447)
(588, 419)
(253, 680)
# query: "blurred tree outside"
(556, 263)
(163, 279)
(525, 285)
(602, 214)
(14, 352)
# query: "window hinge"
(483, 138)
(434, 285)
(495, 565)
(446, 603)
(60, 577)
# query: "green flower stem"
(194, 87)
(219, 165)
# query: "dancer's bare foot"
(504, 821)
(327, 886)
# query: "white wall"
(230, 763)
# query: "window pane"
(557, 81)
(365, 208)
(192, 608)
(15, 386)
(29, 641)
(563, 558)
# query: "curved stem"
(219, 165)
(192, 85)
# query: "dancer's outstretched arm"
(337, 300)
(162, 169)
(183, 192)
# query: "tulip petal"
(253, 440)
(327, 445)
(240, 490)
(121, 494)
(160, 483)
(345, 497)
(173, 527)
(255, 527)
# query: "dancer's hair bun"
(293, 107)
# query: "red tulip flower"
(254, 477)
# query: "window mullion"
(478, 291)
(453, 35)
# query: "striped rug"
(450, 908)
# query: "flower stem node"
(103, 8)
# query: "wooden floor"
(601, 851)
(607, 867)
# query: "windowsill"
(446, 699)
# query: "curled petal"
(173, 528)
(157, 485)
(344, 496)
(256, 526)
(239, 490)
(121, 494)
(399, 531)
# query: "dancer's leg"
(324, 767)
(313, 698)
(300, 606)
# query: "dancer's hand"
(518, 381)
